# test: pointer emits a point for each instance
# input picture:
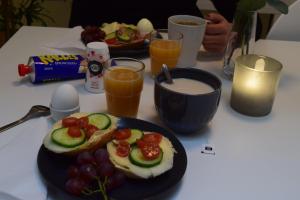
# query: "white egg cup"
(57, 114)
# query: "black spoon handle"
(13, 124)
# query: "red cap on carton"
(24, 69)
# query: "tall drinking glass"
(123, 83)
(164, 50)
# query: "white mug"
(193, 29)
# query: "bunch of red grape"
(92, 34)
(93, 172)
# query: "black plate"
(140, 52)
(53, 169)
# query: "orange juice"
(164, 52)
(123, 87)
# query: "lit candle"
(254, 84)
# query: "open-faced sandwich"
(141, 154)
(137, 153)
(80, 132)
(119, 35)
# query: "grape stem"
(102, 189)
(87, 191)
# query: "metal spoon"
(167, 74)
(35, 111)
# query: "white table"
(256, 158)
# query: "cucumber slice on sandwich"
(137, 158)
(100, 120)
(136, 134)
(61, 137)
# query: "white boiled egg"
(65, 97)
(144, 26)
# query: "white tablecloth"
(256, 158)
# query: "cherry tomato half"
(150, 151)
(83, 122)
(140, 143)
(111, 41)
(90, 130)
(152, 138)
(123, 148)
(70, 121)
(122, 134)
(74, 131)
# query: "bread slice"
(134, 171)
(98, 139)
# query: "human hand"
(217, 33)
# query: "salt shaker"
(97, 55)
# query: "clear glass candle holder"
(254, 85)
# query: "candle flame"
(251, 83)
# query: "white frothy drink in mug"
(193, 30)
(188, 86)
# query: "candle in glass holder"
(254, 84)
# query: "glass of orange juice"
(123, 83)
(164, 51)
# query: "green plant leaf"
(40, 20)
(279, 5)
(250, 5)
(47, 17)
